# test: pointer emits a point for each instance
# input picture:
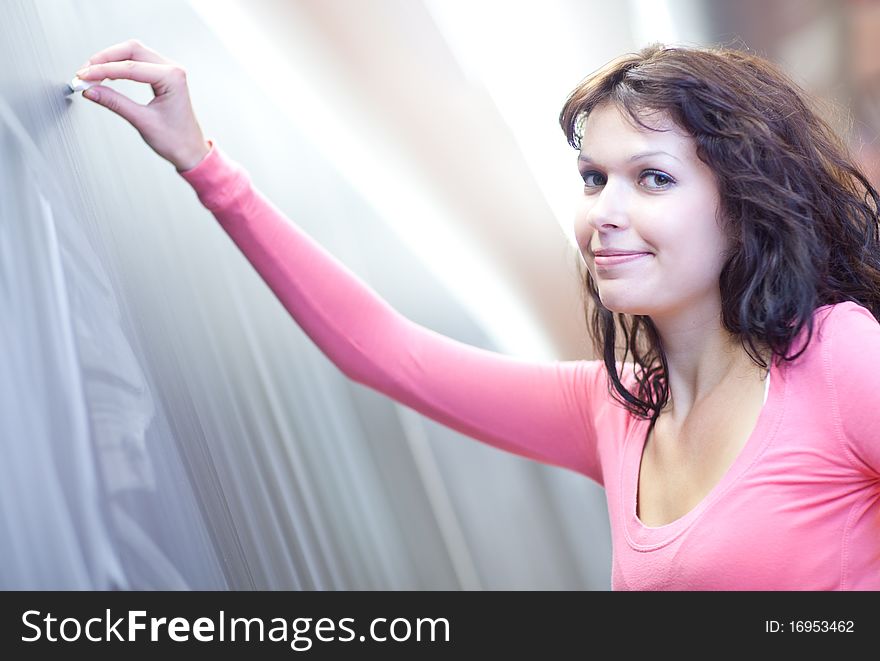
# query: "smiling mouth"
(605, 261)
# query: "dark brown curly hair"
(802, 217)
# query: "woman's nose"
(600, 212)
(608, 209)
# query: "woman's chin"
(618, 306)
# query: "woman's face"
(662, 204)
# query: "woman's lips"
(604, 261)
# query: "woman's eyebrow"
(588, 159)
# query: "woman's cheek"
(583, 235)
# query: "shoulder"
(849, 337)
(847, 329)
(851, 360)
(850, 314)
(835, 321)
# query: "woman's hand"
(168, 123)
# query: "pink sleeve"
(854, 360)
(539, 410)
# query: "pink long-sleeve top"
(799, 508)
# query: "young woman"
(733, 266)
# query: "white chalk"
(77, 85)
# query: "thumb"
(118, 103)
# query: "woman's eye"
(589, 181)
(661, 179)
(594, 179)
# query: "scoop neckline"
(644, 537)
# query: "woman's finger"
(133, 112)
(142, 72)
(128, 50)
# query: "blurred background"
(164, 424)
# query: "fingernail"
(82, 72)
(91, 93)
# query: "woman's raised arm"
(540, 410)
